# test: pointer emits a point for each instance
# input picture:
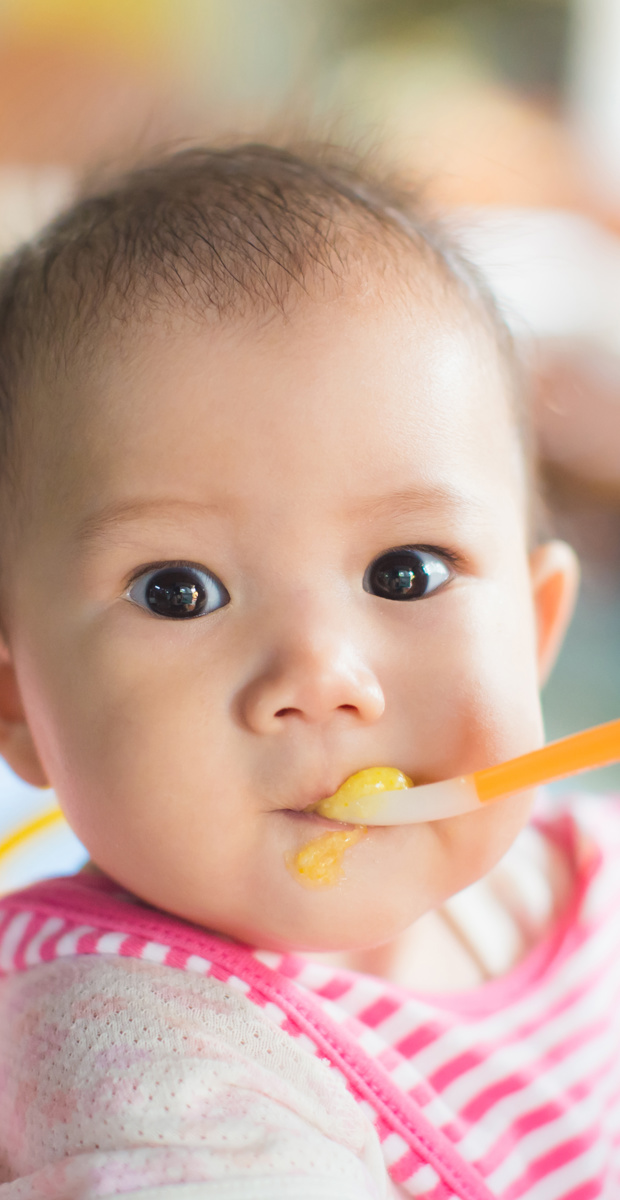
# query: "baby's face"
(251, 478)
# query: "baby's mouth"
(319, 862)
(360, 794)
(310, 817)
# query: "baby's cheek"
(472, 844)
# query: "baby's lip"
(305, 799)
(302, 800)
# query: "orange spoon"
(434, 801)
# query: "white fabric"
(202, 1098)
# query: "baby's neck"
(482, 933)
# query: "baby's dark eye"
(178, 592)
(406, 574)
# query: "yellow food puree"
(319, 863)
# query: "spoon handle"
(592, 748)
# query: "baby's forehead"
(109, 383)
(367, 368)
(174, 377)
(241, 232)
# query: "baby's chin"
(388, 879)
(378, 893)
(384, 878)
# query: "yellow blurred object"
(41, 847)
(25, 832)
(137, 26)
(86, 82)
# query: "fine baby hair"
(235, 230)
(266, 489)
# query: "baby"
(266, 522)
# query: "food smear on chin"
(319, 863)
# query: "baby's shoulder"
(116, 1009)
(109, 1053)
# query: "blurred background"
(507, 112)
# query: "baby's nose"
(311, 675)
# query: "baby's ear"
(16, 744)
(554, 571)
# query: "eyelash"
(173, 563)
(456, 561)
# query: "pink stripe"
(290, 966)
(418, 1040)
(379, 1011)
(551, 1161)
(176, 957)
(132, 947)
(383, 1129)
(390, 1059)
(441, 1192)
(585, 1191)
(253, 994)
(528, 1122)
(574, 1042)
(454, 1130)
(571, 999)
(531, 1120)
(404, 1168)
(487, 1099)
(335, 988)
(457, 1066)
(34, 925)
(568, 999)
(218, 972)
(422, 1036)
(5, 917)
(48, 949)
(289, 1026)
(89, 941)
(421, 1094)
(477, 1108)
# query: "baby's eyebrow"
(444, 499)
(124, 511)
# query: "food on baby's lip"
(360, 795)
(319, 863)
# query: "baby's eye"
(178, 591)
(406, 574)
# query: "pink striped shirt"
(510, 1090)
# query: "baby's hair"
(234, 230)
